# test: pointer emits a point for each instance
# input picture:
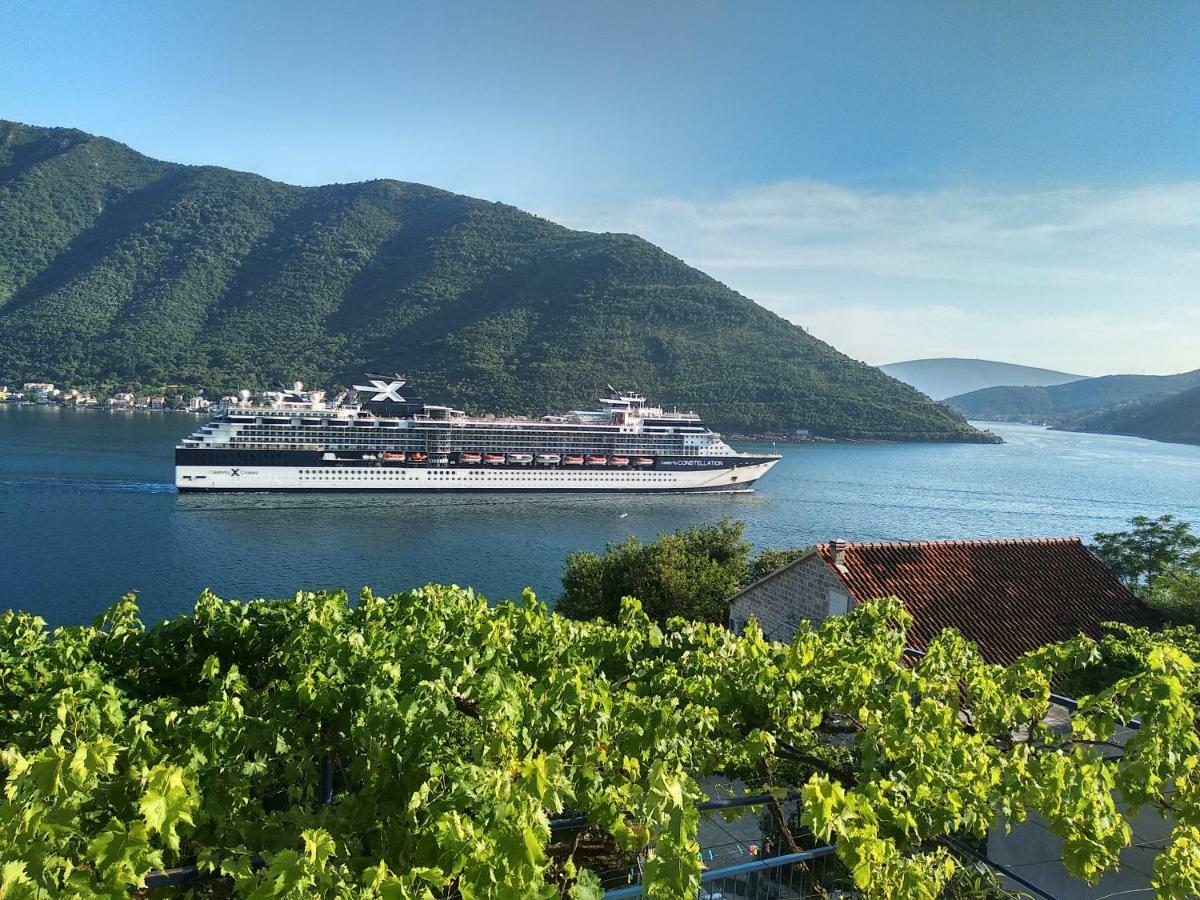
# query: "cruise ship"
(379, 437)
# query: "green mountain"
(116, 268)
(1175, 419)
(1065, 405)
(949, 376)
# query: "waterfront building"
(1007, 596)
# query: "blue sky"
(1011, 180)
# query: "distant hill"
(116, 268)
(948, 376)
(1065, 405)
(1175, 419)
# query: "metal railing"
(792, 876)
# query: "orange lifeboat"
(469, 458)
(393, 457)
(619, 461)
(597, 460)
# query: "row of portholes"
(353, 476)
(354, 473)
(480, 475)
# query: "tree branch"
(791, 754)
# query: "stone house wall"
(781, 601)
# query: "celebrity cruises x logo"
(384, 390)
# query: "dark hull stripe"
(741, 487)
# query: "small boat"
(418, 457)
(547, 459)
(520, 458)
(597, 460)
(494, 459)
(619, 461)
(394, 457)
(643, 461)
(469, 457)
(573, 460)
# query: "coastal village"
(44, 393)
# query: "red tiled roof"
(1008, 596)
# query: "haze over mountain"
(117, 268)
(1066, 405)
(949, 376)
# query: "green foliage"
(457, 728)
(688, 574)
(1175, 595)
(768, 559)
(1149, 549)
(978, 883)
(115, 268)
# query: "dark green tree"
(1175, 594)
(768, 559)
(1150, 548)
(688, 573)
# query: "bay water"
(88, 512)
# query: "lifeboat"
(548, 459)
(522, 458)
(469, 457)
(643, 461)
(418, 457)
(597, 460)
(573, 460)
(619, 461)
(394, 457)
(494, 459)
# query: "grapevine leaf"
(169, 801)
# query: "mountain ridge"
(1174, 419)
(1068, 405)
(948, 376)
(118, 268)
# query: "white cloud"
(1088, 279)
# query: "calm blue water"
(87, 512)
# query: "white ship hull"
(467, 478)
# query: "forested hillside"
(116, 268)
(1175, 419)
(1068, 404)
